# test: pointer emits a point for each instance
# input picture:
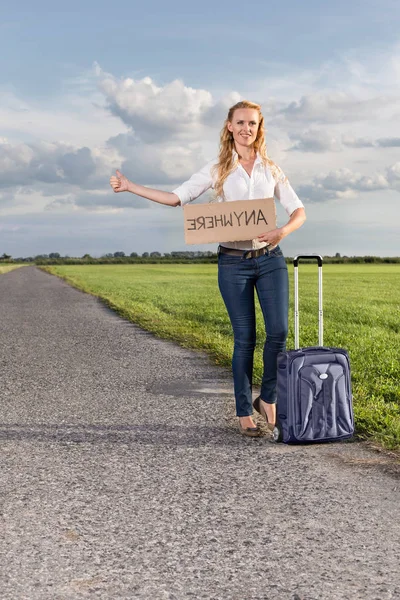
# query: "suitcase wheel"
(277, 434)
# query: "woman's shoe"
(258, 406)
(249, 431)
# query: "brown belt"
(246, 253)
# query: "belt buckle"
(253, 253)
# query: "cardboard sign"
(228, 221)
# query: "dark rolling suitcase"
(314, 397)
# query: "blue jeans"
(237, 278)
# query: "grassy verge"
(7, 268)
(361, 307)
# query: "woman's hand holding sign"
(273, 237)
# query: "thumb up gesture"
(119, 183)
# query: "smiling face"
(244, 126)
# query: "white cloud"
(390, 142)
(157, 164)
(44, 164)
(155, 113)
(353, 142)
(6, 198)
(387, 142)
(345, 183)
(345, 179)
(103, 201)
(335, 107)
(314, 140)
(393, 176)
(324, 140)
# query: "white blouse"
(239, 186)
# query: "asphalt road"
(123, 475)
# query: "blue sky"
(146, 87)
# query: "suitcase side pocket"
(311, 418)
(324, 403)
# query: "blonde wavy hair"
(226, 164)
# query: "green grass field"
(361, 314)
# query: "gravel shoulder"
(123, 475)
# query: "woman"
(243, 171)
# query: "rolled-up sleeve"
(199, 183)
(286, 194)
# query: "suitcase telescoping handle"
(296, 299)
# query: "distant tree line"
(178, 256)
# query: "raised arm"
(120, 183)
(191, 189)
